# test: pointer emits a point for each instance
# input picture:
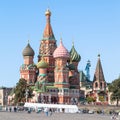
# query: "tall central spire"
(48, 33)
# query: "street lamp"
(26, 94)
(6, 98)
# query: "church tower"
(98, 80)
(99, 83)
(61, 72)
(28, 69)
(47, 47)
(74, 59)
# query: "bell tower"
(47, 47)
(99, 83)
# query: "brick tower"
(47, 47)
(28, 69)
(99, 83)
(74, 61)
(61, 72)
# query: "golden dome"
(48, 12)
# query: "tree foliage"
(101, 98)
(90, 99)
(20, 91)
(114, 87)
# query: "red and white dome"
(61, 51)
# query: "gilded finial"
(48, 12)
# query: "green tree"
(114, 87)
(20, 91)
(90, 99)
(101, 98)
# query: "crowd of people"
(47, 111)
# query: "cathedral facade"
(55, 78)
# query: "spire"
(99, 76)
(48, 33)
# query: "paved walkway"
(55, 116)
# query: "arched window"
(96, 85)
(101, 85)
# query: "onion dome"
(42, 64)
(28, 51)
(75, 57)
(61, 51)
(71, 67)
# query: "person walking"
(46, 110)
(50, 111)
(10, 109)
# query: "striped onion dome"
(61, 51)
(75, 57)
(42, 64)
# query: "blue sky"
(93, 25)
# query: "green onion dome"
(75, 57)
(28, 51)
(42, 64)
(71, 67)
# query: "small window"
(96, 85)
(101, 85)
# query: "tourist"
(114, 117)
(15, 109)
(29, 110)
(46, 110)
(50, 111)
(6, 108)
(10, 109)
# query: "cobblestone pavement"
(54, 116)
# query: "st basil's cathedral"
(56, 78)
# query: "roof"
(28, 51)
(61, 51)
(71, 66)
(42, 64)
(68, 108)
(75, 57)
(98, 75)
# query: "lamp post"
(26, 94)
(6, 98)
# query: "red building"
(99, 86)
(55, 77)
